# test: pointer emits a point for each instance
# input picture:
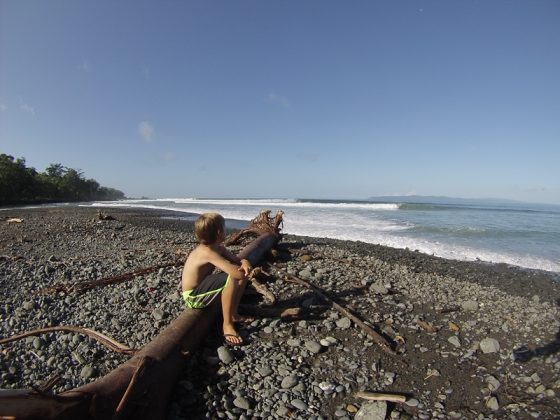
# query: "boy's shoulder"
(204, 252)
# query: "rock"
(351, 408)
(225, 355)
(492, 403)
(469, 305)
(28, 305)
(379, 289)
(243, 403)
(325, 343)
(344, 323)
(372, 411)
(293, 342)
(489, 345)
(38, 343)
(265, 371)
(305, 258)
(412, 402)
(313, 346)
(327, 387)
(493, 383)
(454, 340)
(299, 404)
(289, 381)
(87, 372)
(158, 314)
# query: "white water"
(460, 233)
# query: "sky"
(287, 99)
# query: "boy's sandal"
(229, 339)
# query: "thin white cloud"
(309, 157)
(3, 107)
(536, 189)
(84, 66)
(278, 100)
(168, 156)
(146, 131)
(146, 71)
(27, 108)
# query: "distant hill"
(430, 199)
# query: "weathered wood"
(376, 396)
(101, 338)
(149, 393)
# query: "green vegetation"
(22, 185)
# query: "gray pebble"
(225, 355)
(343, 323)
(489, 345)
(372, 411)
(243, 403)
(289, 381)
(299, 404)
(87, 372)
(454, 340)
(313, 346)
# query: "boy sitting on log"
(200, 287)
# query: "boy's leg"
(238, 293)
(228, 310)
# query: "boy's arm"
(236, 272)
(245, 264)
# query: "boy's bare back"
(202, 261)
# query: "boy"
(200, 287)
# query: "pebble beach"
(472, 340)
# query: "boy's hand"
(245, 267)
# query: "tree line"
(20, 184)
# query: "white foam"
(290, 203)
(346, 221)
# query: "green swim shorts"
(205, 293)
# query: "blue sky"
(293, 99)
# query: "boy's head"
(208, 228)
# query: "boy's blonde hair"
(208, 226)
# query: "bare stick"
(367, 329)
(102, 338)
(261, 288)
(375, 396)
(141, 363)
(82, 287)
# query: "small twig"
(82, 287)
(45, 388)
(376, 396)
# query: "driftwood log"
(263, 224)
(140, 387)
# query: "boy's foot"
(233, 339)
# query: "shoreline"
(393, 289)
(239, 224)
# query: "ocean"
(521, 234)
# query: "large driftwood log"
(139, 388)
(260, 225)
